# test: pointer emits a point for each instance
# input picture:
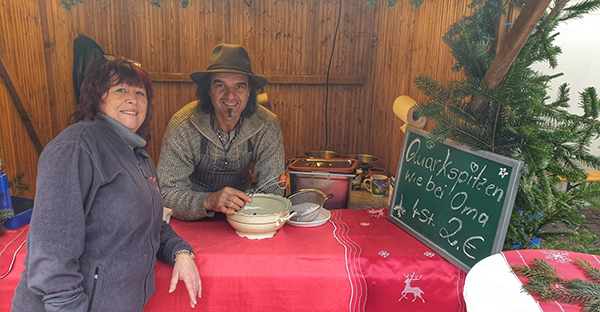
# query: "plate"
(324, 215)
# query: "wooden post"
(48, 51)
(512, 44)
(18, 97)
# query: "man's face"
(229, 93)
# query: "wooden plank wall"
(22, 48)
(378, 52)
(417, 49)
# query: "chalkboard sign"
(455, 200)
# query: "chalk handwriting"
(423, 215)
(468, 243)
(459, 201)
(454, 190)
(473, 177)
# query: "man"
(210, 143)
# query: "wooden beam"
(18, 97)
(273, 79)
(513, 43)
(48, 51)
(170, 77)
(315, 79)
(505, 24)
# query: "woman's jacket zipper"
(95, 283)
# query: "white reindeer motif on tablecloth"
(416, 291)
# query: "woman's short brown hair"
(100, 77)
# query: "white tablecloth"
(492, 286)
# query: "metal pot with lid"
(322, 154)
(365, 161)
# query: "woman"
(97, 228)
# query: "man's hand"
(227, 200)
(284, 180)
(185, 270)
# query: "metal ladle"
(268, 183)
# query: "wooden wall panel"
(417, 49)
(378, 52)
(286, 42)
(169, 39)
(21, 41)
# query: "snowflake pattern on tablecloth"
(557, 256)
(365, 223)
(384, 253)
(429, 254)
(377, 213)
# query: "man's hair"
(203, 95)
(104, 74)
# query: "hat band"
(229, 67)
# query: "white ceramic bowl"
(261, 218)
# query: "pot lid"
(363, 158)
(338, 165)
(322, 154)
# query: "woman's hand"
(185, 270)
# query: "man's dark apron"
(210, 175)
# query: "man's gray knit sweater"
(184, 155)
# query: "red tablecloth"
(358, 261)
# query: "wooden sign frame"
(433, 232)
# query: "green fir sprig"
(545, 283)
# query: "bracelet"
(184, 252)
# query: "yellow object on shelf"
(404, 108)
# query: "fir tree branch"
(553, 13)
(590, 271)
(578, 9)
(544, 283)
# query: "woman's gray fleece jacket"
(96, 229)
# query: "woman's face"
(126, 104)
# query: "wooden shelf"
(273, 79)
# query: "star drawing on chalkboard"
(503, 173)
